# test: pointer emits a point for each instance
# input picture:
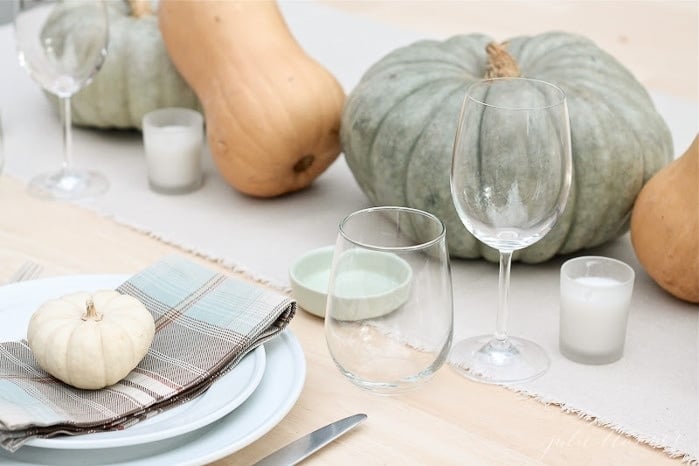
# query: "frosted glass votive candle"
(595, 297)
(173, 139)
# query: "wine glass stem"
(504, 291)
(67, 135)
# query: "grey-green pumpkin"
(137, 76)
(399, 123)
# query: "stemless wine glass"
(510, 179)
(389, 315)
(62, 44)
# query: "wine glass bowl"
(389, 315)
(62, 45)
(510, 179)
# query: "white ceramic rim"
(190, 416)
(310, 298)
(293, 270)
(278, 392)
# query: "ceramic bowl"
(309, 276)
(380, 280)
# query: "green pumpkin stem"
(140, 8)
(500, 63)
(90, 311)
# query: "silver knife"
(304, 447)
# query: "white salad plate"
(221, 398)
(282, 376)
(225, 395)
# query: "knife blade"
(305, 446)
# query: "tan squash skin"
(272, 112)
(665, 226)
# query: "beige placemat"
(651, 394)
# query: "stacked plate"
(238, 409)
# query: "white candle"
(173, 140)
(595, 299)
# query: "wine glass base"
(68, 185)
(486, 359)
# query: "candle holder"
(595, 297)
(173, 139)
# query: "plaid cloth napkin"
(205, 323)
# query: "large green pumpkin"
(399, 123)
(137, 75)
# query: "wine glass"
(510, 179)
(389, 314)
(63, 44)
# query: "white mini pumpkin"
(88, 340)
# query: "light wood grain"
(449, 421)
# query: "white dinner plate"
(17, 303)
(280, 388)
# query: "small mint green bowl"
(310, 274)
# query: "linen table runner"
(205, 323)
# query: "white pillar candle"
(173, 139)
(595, 298)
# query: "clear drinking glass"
(389, 316)
(62, 44)
(510, 179)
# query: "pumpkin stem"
(90, 311)
(140, 8)
(500, 63)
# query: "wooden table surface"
(450, 420)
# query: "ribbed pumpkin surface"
(399, 124)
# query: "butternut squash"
(272, 112)
(665, 226)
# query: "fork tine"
(34, 271)
(30, 271)
(27, 271)
(19, 273)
